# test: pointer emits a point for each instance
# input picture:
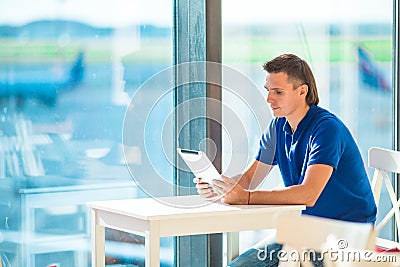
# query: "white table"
(154, 219)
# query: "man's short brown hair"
(298, 72)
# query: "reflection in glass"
(68, 70)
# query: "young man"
(318, 158)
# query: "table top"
(182, 207)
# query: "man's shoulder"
(323, 112)
(325, 121)
(322, 115)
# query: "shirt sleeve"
(326, 143)
(267, 148)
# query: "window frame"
(197, 37)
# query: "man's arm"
(307, 193)
(253, 175)
(250, 179)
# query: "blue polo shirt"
(321, 138)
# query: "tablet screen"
(199, 164)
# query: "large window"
(68, 71)
(349, 47)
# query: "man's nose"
(269, 98)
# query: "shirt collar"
(303, 123)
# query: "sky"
(95, 12)
(258, 11)
(159, 12)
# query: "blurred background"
(68, 70)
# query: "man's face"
(283, 99)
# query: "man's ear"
(304, 89)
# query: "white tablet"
(199, 164)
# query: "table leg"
(232, 241)
(152, 244)
(98, 243)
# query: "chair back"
(311, 232)
(341, 243)
(385, 161)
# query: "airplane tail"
(71, 79)
(78, 70)
(370, 73)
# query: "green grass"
(160, 51)
(95, 51)
(334, 50)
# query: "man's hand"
(231, 191)
(204, 189)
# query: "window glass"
(348, 45)
(68, 71)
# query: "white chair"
(300, 234)
(341, 244)
(385, 161)
(320, 234)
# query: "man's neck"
(295, 119)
